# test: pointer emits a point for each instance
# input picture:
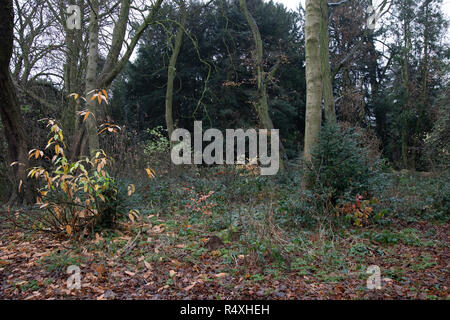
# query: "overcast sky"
(293, 4)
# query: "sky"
(293, 4)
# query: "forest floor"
(168, 258)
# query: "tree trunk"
(72, 81)
(262, 106)
(423, 104)
(9, 108)
(91, 80)
(328, 97)
(171, 72)
(111, 68)
(372, 67)
(313, 80)
(406, 95)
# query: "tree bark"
(73, 69)
(91, 79)
(423, 104)
(313, 80)
(406, 94)
(262, 78)
(328, 97)
(9, 108)
(111, 68)
(171, 72)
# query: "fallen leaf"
(158, 229)
(190, 286)
(221, 275)
(162, 288)
(100, 270)
(148, 265)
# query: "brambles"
(413, 196)
(437, 142)
(358, 213)
(200, 203)
(157, 147)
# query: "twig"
(127, 249)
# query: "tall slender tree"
(313, 80)
(171, 70)
(262, 78)
(111, 68)
(327, 85)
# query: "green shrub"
(340, 166)
(74, 196)
(301, 208)
(59, 260)
(439, 196)
(125, 199)
(414, 197)
(157, 147)
(437, 142)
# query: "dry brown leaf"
(4, 262)
(100, 270)
(148, 265)
(190, 286)
(158, 229)
(162, 288)
(221, 275)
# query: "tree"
(262, 78)
(327, 85)
(74, 63)
(224, 95)
(37, 49)
(407, 14)
(415, 79)
(171, 70)
(112, 66)
(9, 109)
(36, 42)
(313, 80)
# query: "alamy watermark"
(374, 281)
(74, 280)
(374, 16)
(214, 152)
(74, 19)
